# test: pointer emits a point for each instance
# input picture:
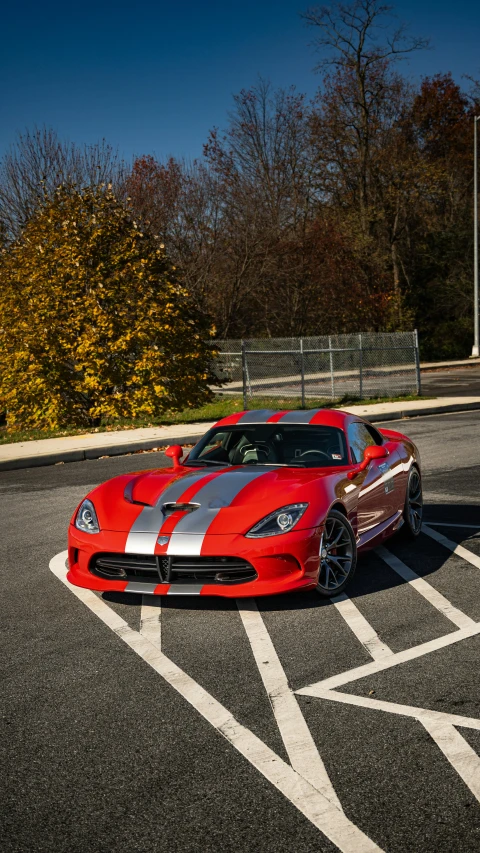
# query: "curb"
(417, 413)
(44, 459)
(434, 366)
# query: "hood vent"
(168, 508)
(128, 493)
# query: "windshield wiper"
(276, 464)
(205, 462)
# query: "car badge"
(163, 540)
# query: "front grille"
(149, 568)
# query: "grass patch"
(221, 406)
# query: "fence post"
(417, 362)
(302, 372)
(332, 375)
(361, 366)
(244, 374)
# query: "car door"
(376, 483)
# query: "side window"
(376, 435)
(359, 438)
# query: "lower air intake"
(149, 568)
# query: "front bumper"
(282, 563)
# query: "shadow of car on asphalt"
(424, 556)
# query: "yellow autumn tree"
(93, 322)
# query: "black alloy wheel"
(338, 555)
(413, 512)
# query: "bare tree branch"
(39, 161)
(359, 35)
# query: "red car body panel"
(131, 514)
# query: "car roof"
(325, 417)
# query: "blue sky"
(154, 77)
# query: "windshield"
(272, 444)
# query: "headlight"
(86, 519)
(280, 521)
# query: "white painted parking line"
(452, 546)
(458, 752)
(436, 599)
(150, 620)
(319, 810)
(362, 629)
(451, 524)
(392, 707)
(300, 746)
(394, 660)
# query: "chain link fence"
(324, 367)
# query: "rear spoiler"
(396, 436)
(400, 436)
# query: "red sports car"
(266, 502)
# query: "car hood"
(223, 500)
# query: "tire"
(413, 510)
(338, 555)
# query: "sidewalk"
(75, 448)
(445, 365)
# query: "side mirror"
(373, 451)
(175, 452)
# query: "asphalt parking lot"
(285, 724)
(456, 382)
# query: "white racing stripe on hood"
(187, 539)
(142, 537)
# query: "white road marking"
(448, 524)
(436, 599)
(150, 620)
(394, 660)
(467, 555)
(320, 811)
(393, 707)
(362, 629)
(300, 746)
(458, 752)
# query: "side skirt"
(372, 537)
